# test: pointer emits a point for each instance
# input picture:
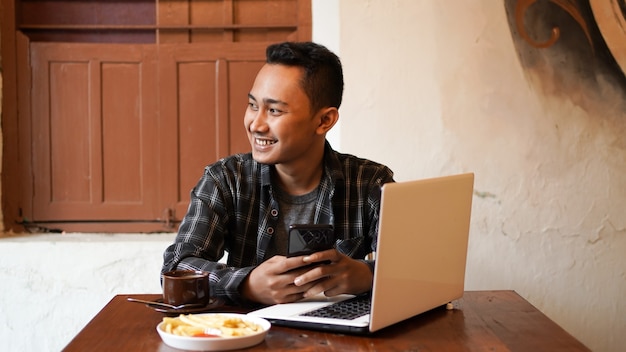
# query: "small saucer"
(213, 303)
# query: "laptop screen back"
(422, 247)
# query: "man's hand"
(273, 281)
(341, 275)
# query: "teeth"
(264, 142)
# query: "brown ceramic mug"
(186, 286)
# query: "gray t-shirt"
(293, 210)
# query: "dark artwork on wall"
(574, 48)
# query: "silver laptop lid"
(422, 247)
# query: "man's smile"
(264, 142)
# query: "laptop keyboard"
(349, 309)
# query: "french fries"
(215, 324)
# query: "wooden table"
(480, 321)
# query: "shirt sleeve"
(201, 238)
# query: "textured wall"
(433, 89)
(52, 285)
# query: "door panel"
(94, 122)
(233, 21)
(65, 151)
(204, 94)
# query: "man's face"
(278, 120)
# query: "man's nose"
(259, 120)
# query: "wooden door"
(121, 114)
(95, 132)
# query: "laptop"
(420, 260)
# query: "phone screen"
(305, 239)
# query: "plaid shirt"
(233, 208)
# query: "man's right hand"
(272, 281)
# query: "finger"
(310, 275)
(283, 265)
(292, 298)
(335, 291)
(313, 292)
(328, 255)
(327, 287)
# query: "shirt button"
(274, 212)
(270, 230)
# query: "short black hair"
(323, 75)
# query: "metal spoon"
(161, 304)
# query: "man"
(244, 204)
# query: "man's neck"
(302, 178)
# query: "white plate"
(216, 343)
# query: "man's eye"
(275, 112)
(253, 106)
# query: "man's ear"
(328, 118)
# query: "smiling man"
(244, 204)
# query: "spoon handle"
(137, 300)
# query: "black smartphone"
(305, 239)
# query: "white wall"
(326, 18)
(434, 88)
(431, 89)
(53, 284)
